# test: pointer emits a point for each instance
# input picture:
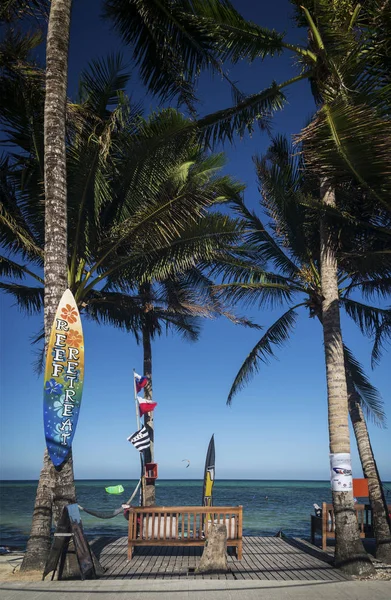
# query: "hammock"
(110, 515)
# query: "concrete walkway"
(196, 590)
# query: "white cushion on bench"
(330, 521)
(230, 523)
(168, 529)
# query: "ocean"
(268, 506)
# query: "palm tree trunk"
(349, 551)
(149, 497)
(381, 521)
(38, 544)
(54, 488)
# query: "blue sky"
(275, 429)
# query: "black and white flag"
(140, 439)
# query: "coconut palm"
(136, 208)
(60, 483)
(176, 303)
(199, 34)
(55, 255)
(346, 64)
(292, 253)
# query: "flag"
(145, 405)
(140, 439)
(140, 381)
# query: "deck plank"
(262, 556)
(301, 564)
(281, 562)
(266, 558)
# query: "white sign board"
(341, 472)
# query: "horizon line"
(180, 479)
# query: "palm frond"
(21, 116)
(368, 318)
(369, 222)
(189, 292)
(346, 141)
(16, 227)
(365, 264)
(39, 360)
(382, 337)
(28, 298)
(9, 268)
(235, 37)
(369, 396)
(15, 50)
(379, 287)
(94, 150)
(188, 327)
(11, 10)
(176, 257)
(242, 264)
(115, 308)
(266, 292)
(257, 109)
(283, 183)
(260, 240)
(169, 47)
(101, 83)
(276, 335)
(168, 236)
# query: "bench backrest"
(328, 517)
(183, 522)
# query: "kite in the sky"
(188, 462)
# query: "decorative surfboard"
(64, 375)
(209, 474)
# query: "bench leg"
(324, 543)
(130, 551)
(239, 551)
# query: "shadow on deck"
(267, 558)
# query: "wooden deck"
(268, 558)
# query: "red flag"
(145, 405)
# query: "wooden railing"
(182, 526)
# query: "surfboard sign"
(209, 474)
(63, 382)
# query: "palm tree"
(293, 251)
(177, 304)
(199, 35)
(52, 483)
(55, 267)
(347, 68)
(55, 254)
(137, 210)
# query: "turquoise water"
(268, 506)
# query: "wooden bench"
(325, 524)
(182, 526)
